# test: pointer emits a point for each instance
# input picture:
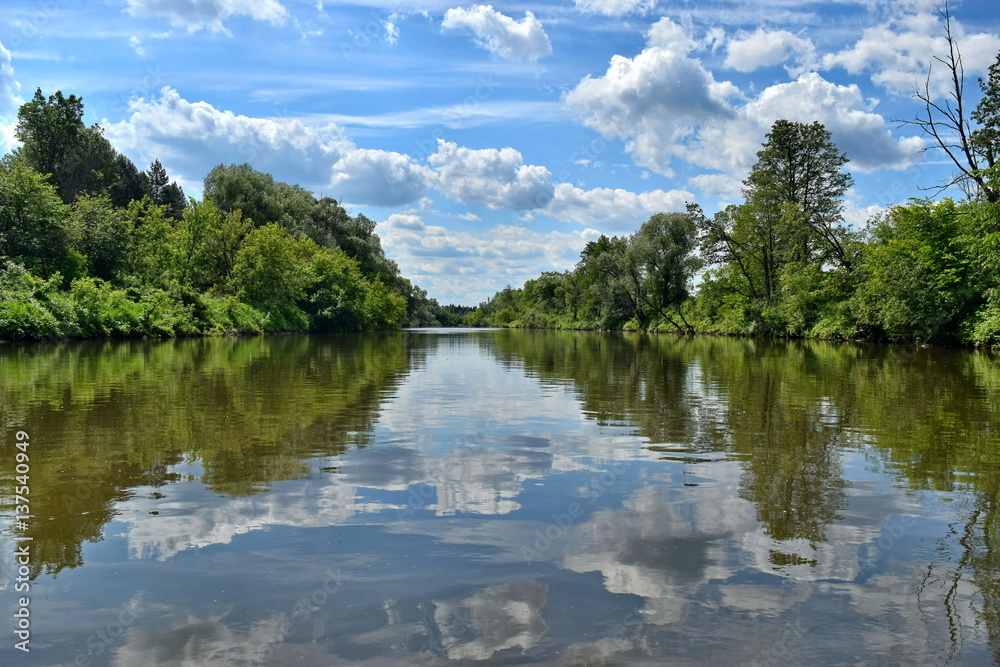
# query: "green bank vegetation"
(785, 263)
(90, 246)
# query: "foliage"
(915, 273)
(384, 309)
(798, 180)
(33, 229)
(100, 233)
(56, 142)
(91, 246)
(165, 192)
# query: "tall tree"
(130, 183)
(55, 141)
(47, 129)
(165, 192)
(241, 187)
(100, 232)
(663, 254)
(800, 165)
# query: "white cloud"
(859, 216)
(137, 46)
(655, 100)
(899, 52)
(612, 210)
(192, 137)
(194, 15)
(667, 106)
(615, 7)
(10, 100)
(490, 177)
(856, 129)
(466, 266)
(391, 31)
(669, 35)
(731, 146)
(501, 35)
(723, 186)
(379, 177)
(766, 48)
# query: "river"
(449, 497)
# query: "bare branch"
(947, 125)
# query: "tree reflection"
(789, 410)
(107, 419)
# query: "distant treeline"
(90, 246)
(784, 262)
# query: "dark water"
(502, 497)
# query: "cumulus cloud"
(379, 177)
(655, 100)
(615, 7)
(613, 210)
(464, 265)
(667, 106)
(859, 216)
(730, 147)
(192, 137)
(856, 128)
(490, 177)
(899, 52)
(501, 35)
(766, 48)
(195, 15)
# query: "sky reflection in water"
(453, 497)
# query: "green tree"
(190, 240)
(100, 232)
(384, 308)
(264, 200)
(55, 141)
(755, 240)
(241, 187)
(662, 261)
(165, 192)
(130, 184)
(33, 226)
(272, 268)
(916, 273)
(986, 138)
(782, 257)
(336, 298)
(221, 245)
(800, 165)
(151, 259)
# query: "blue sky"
(491, 142)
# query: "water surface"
(446, 497)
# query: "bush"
(25, 311)
(103, 311)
